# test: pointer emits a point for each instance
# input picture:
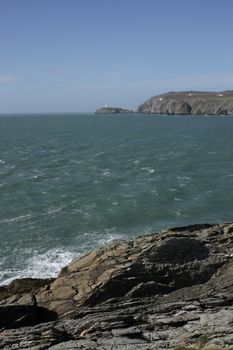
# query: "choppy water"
(69, 183)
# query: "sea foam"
(40, 265)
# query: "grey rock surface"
(190, 102)
(156, 292)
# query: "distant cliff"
(113, 110)
(190, 102)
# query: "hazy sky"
(77, 55)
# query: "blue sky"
(77, 55)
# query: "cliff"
(191, 102)
(113, 110)
(162, 291)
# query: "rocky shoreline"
(168, 290)
(181, 103)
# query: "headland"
(181, 103)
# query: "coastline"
(157, 291)
(196, 103)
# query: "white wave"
(98, 154)
(4, 280)
(128, 195)
(155, 192)
(50, 263)
(44, 265)
(177, 213)
(229, 175)
(184, 178)
(110, 237)
(17, 218)
(94, 239)
(150, 170)
(182, 185)
(52, 211)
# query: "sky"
(78, 55)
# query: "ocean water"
(69, 183)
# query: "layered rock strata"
(159, 291)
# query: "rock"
(113, 110)
(168, 289)
(190, 102)
(121, 268)
(40, 337)
(20, 287)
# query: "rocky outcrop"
(113, 110)
(20, 287)
(156, 292)
(190, 102)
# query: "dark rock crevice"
(15, 316)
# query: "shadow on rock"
(14, 316)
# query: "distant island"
(190, 102)
(113, 110)
(181, 103)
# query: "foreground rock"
(156, 292)
(191, 102)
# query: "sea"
(70, 183)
